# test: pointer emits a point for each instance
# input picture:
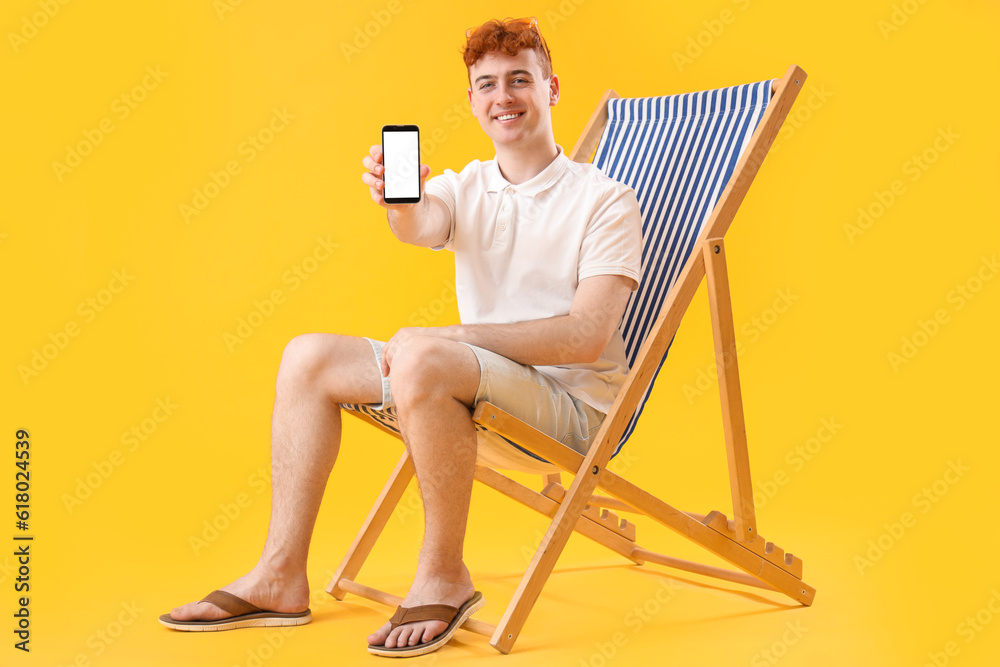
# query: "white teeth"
(508, 116)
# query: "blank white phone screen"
(402, 171)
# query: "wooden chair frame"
(759, 563)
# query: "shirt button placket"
(505, 217)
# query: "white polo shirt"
(521, 250)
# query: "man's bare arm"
(426, 223)
(579, 337)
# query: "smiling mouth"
(509, 116)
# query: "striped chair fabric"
(677, 152)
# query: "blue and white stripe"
(677, 152)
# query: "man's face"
(511, 99)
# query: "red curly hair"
(508, 36)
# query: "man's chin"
(510, 135)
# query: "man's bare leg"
(317, 372)
(434, 384)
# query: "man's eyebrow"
(510, 73)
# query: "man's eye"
(485, 86)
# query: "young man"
(547, 252)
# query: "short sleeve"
(613, 241)
(444, 187)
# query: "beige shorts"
(525, 393)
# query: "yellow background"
(886, 79)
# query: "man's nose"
(506, 96)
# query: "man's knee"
(426, 366)
(306, 357)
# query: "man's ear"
(471, 106)
(553, 90)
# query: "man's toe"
(379, 637)
(397, 637)
(423, 633)
(410, 634)
(196, 611)
(182, 613)
(429, 633)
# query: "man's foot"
(261, 589)
(428, 588)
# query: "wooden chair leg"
(729, 389)
(546, 555)
(373, 525)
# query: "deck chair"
(690, 159)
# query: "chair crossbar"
(586, 526)
(725, 546)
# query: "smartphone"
(401, 159)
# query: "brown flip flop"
(429, 612)
(244, 615)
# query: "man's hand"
(373, 178)
(400, 340)
(426, 223)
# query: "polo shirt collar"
(542, 181)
